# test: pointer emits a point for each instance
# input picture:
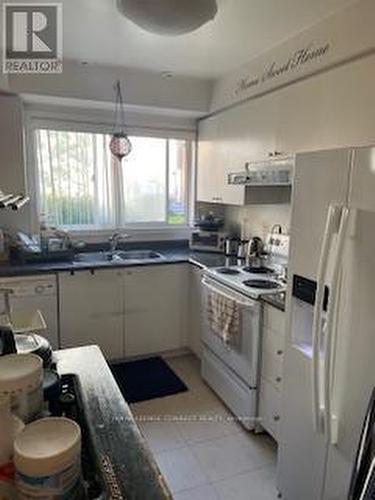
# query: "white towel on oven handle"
(224, 317)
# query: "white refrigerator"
(329, 369)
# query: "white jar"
(21, 378)
(47, 457)
(10, 427)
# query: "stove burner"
(258, 270)
(262, 284)
(228, 270)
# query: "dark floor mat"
(146, 379)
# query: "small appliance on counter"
(231, 246)
(208, 241)
(209, 236)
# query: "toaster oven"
(208, 241)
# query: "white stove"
(252, 282)
(231, 366)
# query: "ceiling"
(95, 32)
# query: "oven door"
(242, 358)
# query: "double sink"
(118, 256)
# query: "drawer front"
(269, 408)
(272, 369)
(274, 319)
(235, 394)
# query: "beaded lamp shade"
(120, 144)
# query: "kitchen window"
(82, 186)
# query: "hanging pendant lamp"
(169, 17)
(120, 144)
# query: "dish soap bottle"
(10, 427)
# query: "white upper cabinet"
(362, 194)
(214, 164)
(230, 139)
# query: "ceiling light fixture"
(169, 17)
(120, 144)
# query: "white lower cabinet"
(155, 308)
(273, 344)
(91, 310)
(126, 312)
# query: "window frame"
(78, 125)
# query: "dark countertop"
(275, 300)
(173, 253)
(126, 461)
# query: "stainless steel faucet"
(114, 240)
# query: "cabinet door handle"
(276, 418)
(278, 379)
(279, 352)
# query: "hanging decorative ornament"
(120, 144)
(169, 17)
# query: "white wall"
(345, 35)
(257, 219)
(12, 167)
(141, 88)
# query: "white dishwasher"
(34, 292)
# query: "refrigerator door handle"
(331, 224)
(330, 420)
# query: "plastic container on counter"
(10, 427)
(47, 458)
(21, 378)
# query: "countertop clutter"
(173, 252)
(127, 466)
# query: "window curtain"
(77, 179)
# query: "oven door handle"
(220, 290)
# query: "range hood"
(272, 172)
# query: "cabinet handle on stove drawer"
(276, 418)
(279, 352)
(278, 379)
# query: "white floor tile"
(206, 492)
(188, 369)
(255, 485)
(233, 454)
(181, 469)
(207, 425)
(195, 445)
(162, 436)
